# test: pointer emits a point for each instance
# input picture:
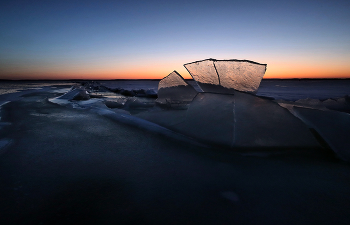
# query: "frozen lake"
(278, 89)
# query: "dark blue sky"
(141, 39)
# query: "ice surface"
(293, 90)
(173, 89)
(3, 144)
(225, 76)
(240, 75)
(136, 102)
(115, 102)
(333, 126)
(309, 101)
(262, 122)
(341, 104)
(210, 118)
(143, 124)
(240, 120)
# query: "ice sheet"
(262, 122)
(241, 120)
(210, 118)
(333, 126)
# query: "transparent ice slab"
(204, 73)
(225, 76)
(241, 120)
(210, 117)
(261, 122)
(240, 75)
(173, 89)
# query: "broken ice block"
(173, 89)
(204, 73)
(210, 118)
(263, 123)
(240, 75)
(225, 76)
(241, 120)
(332, 126)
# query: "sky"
(149, 39)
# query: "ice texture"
(225, 76)
(204, 73)
(173, 89)
(332, 126)
(240, 75)
(174, 79)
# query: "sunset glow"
(148, 40)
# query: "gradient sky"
(149, 39)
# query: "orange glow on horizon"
(274, 71)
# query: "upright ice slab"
(225, 76)
(173, 89)
(204, 73)
(240, 75)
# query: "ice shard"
(174, 90)
(240, 75)
(204, 73)
(226, 76)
